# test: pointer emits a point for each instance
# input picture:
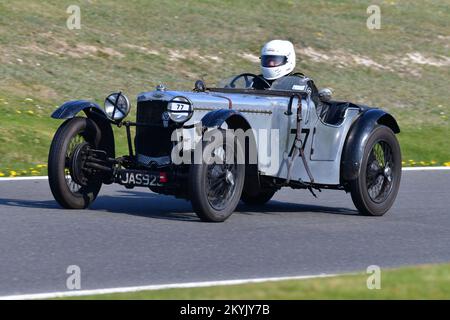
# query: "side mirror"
(325, 94)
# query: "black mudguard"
(235, 120)
(93, 111)
(71, 108)
(217, 117)
(357, 137)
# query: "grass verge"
(419, 282)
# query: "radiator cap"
(160, 87)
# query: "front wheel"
(215, 184)
(71, 185)
(375, 189)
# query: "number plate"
(138, 178)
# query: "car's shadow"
(151, 205)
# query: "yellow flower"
(424, 163)
(2, 174)
(433, 162)
(18, 111)
(447, 164)
(41, 166)
(24, 171)
(30, 112)
(34, 172)
(13, 173)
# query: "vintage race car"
(217, 146)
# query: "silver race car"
(217, 146)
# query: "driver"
(277, 60)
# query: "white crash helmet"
(277, 59)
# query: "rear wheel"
(71, 186)
(215, 186)
(376, 187)
(262, 196)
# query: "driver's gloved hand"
(259, 85)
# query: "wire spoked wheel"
(215, 184)
(221, 182)
(75, 143)
(69, 183)
(375, 189)
(379, 174)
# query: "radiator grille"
(152, 141)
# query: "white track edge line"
(424, 168)
(62, 294)
(24, 178)
(403, 169)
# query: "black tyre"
(376, 187)
(259, 197)
(215, 188)
(70, 186)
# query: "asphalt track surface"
(135, 237)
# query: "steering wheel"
(247, 80)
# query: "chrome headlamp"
(117, 106)
(180, 109)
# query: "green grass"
(134, 45)
(422, 282)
